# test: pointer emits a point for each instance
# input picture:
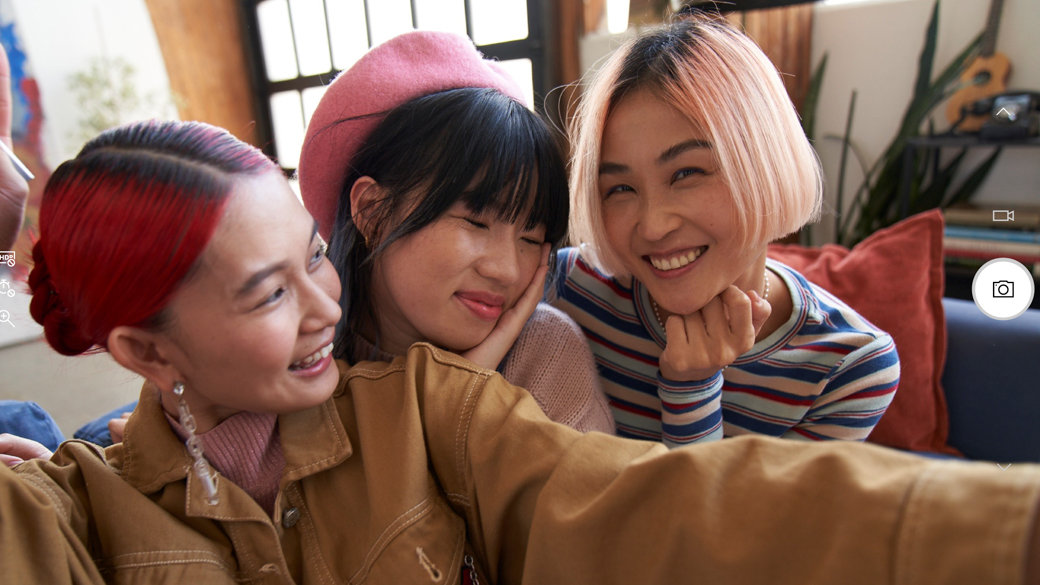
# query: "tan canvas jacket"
(413, 467)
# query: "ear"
(365, 192)
(142, 351)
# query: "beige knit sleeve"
(552, 361)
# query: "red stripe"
(609, 282)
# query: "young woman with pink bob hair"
(688, 159)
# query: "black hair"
(474, 145)
(657, 56)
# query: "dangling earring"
(194, 444)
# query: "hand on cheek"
(705, 341)
(496, 345)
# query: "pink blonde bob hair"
(727, 87)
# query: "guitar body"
(984, 78)
(987, 77)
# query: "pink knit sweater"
(245, 448)
(552, 361)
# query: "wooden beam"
(203, 48)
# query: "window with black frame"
(297, 47)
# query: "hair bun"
(47, 309)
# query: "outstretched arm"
(547, 503)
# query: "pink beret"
(408, 66)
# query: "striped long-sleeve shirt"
(827, 373)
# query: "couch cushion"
(894, 278)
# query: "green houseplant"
(876, 202)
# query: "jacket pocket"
(424, 545)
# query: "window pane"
(349, 37)
(498, 21)
(312, 43)
(276, 38)
(522, 71)
(311, 97)
(287, 120)
(389, 18)
(441, 15)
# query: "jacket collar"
(152, 455)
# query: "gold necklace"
(765, 296)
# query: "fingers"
(496, 345)
(5, 97)
(738, 307)
(676, 327)
(760, 311)
(15, 449)
(533, 294)
(703, 342)
(117, 426)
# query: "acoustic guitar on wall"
(984, 78)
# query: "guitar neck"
(989, 36)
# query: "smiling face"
(252, 328)
(667, 212)
(449, 282)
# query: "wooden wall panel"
(202, 45)
(785, 35)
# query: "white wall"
(62, 36)
(873, 46)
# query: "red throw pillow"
(894, 278)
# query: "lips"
(483, 305)
(313, 359)
(671, 262)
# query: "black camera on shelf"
(1012, 115)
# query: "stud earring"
(194, 445)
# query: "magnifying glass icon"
(5, 317)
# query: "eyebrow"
(682, 147)
(259, 276)
(669, 154)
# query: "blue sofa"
(992, 383)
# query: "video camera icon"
(1003, 215)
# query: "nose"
(319, 299)
(500, 260)
(655, 219)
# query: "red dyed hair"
(123, 224)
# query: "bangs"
(504, 162)
(521, 178)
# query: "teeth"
(313, 358)
(676, 261)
